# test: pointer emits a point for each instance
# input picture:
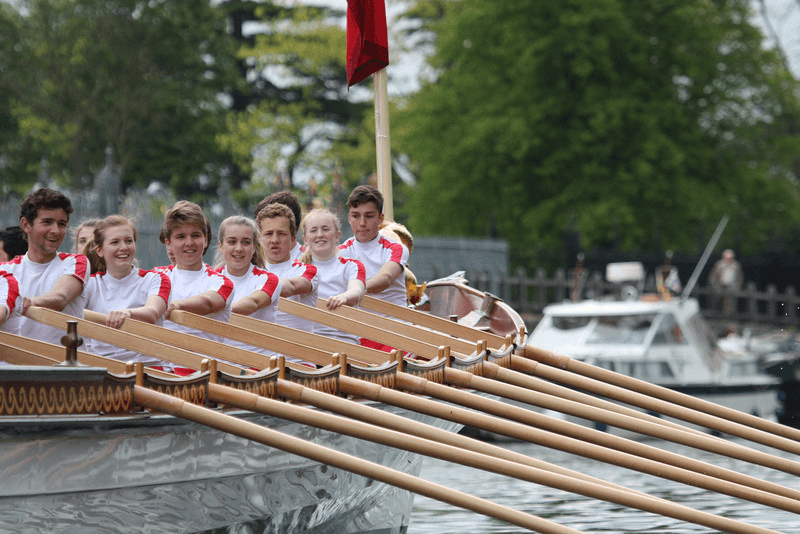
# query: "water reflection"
(589, 515)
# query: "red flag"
(367, 41)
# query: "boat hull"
(161, 474)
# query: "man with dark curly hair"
(46, 277)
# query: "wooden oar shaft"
(531, 374)
(293, 342)
(467, 380)
(408, 330)
(510, 376)
(252, 402)
(725, 419)
(355, 410)
(126, 340)
(772, 496)
(318, 453)
(431, 321)
(17, 356)
(244, 335)
(426, 350)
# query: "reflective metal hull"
(161, 474)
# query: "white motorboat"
(662, 340)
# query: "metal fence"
(530, 294)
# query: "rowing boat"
(77, 453)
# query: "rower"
(46, 277)
(383, 258)
(299, 281)
(196, 287)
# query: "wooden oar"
(576, 431)
(126, 340)
(706, 476)
(252, 402)
(560, 361)
(462, 379)
(766, 436)
(17, 356)
(430, 321)
(354, 351)
(426, 350)
(409, 330)
(215, 349)
(356, 410)
(551, 374)
(654, 426)
(178, 408)
(47, 354)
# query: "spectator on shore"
(727, 277)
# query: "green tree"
(295, 117)
(601, 117)
(141, 77)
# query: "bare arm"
(384, 278)
(66, 289)
(251, 303)
(153, 308)
(202, 304)
(3, 314)
(296, 285)
(351, 297)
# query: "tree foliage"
(298, 110)
(610, 118)
(140, 77)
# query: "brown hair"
(259, 258)
(90, 248)
(272, 211)
(285, 197)
(185, 212)
(43, 198)
(363, 194)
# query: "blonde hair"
(305, 257)
(259, 258)
(97, 263)
(73, 233)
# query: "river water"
(589, 515)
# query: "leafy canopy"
(605, 117)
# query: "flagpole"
(382, 143)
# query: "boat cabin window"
(668, 332)
(647, 370)
(570, 323)
(621, 329)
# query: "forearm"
(199, 304)
(251, 303)
(295, 286)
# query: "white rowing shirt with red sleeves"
(375, 254)
(9, 293)
(37, 279)
(187, 284)
(104, 293)
(290, 269)
(256, 279)
(334, 277)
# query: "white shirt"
(256, 279)
(334, 277)
(104, 293)
(37, 279)
(374, 254)
(290, 269)
(187, 284)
